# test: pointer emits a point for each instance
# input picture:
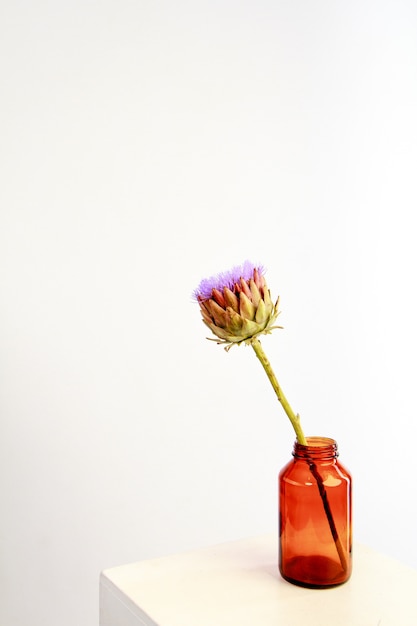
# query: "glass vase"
(315, 516)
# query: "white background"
(146, 145)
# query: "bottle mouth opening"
(319, 442)
(316, 447)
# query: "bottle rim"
(317, 447)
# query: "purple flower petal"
(226, 279)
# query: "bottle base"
(314, 572)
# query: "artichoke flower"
(237, 305)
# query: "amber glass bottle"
(315, 520)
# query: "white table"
(238, 584)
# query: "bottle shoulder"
(301, 471)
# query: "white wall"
(145, 145)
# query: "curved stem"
(294, 419)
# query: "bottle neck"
(317, 449)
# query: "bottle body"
(315, 516)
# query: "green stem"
(294, 419)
